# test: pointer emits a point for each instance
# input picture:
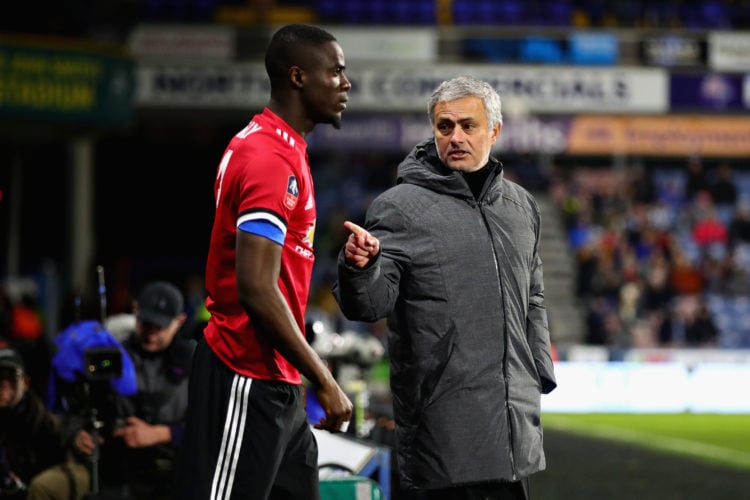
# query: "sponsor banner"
(660, 135)
(714, 92)
(362, 133)
(541, 49)
(596, 48)
(534, 135)
(593, 48)
(729, 51)
(387, 44)
(69, 82)
(402, 132)
(210, 43)
(585, 135)
(673, 50)
(241, 86)
(491, 50)
(405, 88)
(539, 89)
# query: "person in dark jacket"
(450, 255)
(31, 437)
(137, 456)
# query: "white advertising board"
(407, 88)
(729, 51)
(632, 387)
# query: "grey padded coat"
(460, 281)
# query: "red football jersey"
(264, 175)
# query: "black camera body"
(102, 364)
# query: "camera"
(102, 364)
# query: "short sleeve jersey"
(264, 176)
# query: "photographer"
(31, 438)
(138, 449)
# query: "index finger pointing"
(357, 230)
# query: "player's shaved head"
(290, 47)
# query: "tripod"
(106, 490)
(103, 365)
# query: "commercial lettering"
(46, 95)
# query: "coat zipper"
(505, 342)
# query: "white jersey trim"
(269, 217)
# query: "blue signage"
(713, 91)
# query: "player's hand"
(337, 406)
(361, 246)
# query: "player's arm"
(258, 263)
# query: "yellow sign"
(717, 136)
(69, 84)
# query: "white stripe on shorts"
(231, 441)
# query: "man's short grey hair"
(466, 86)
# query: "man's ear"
(296, 77)
(496, 133)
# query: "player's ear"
(296, 77)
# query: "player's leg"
(298, 478)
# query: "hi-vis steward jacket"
(460, 281)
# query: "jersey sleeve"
(269, 192)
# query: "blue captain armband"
(263, 228)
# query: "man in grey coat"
(450, 255)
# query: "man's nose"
(458, 135)
(345, 83)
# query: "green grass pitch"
(719, 438)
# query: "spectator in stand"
(658, 295)
(739, 228)
(596, 324)
(31, 437)
(642, 186)
(709, 232)
(724, 192)
(696, 180)
(26, 336)
(735, 279)
(700, 329)
(607, 279)
(723, 188)
(684, 277)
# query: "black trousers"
(485, 491)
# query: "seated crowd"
(659, 253)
